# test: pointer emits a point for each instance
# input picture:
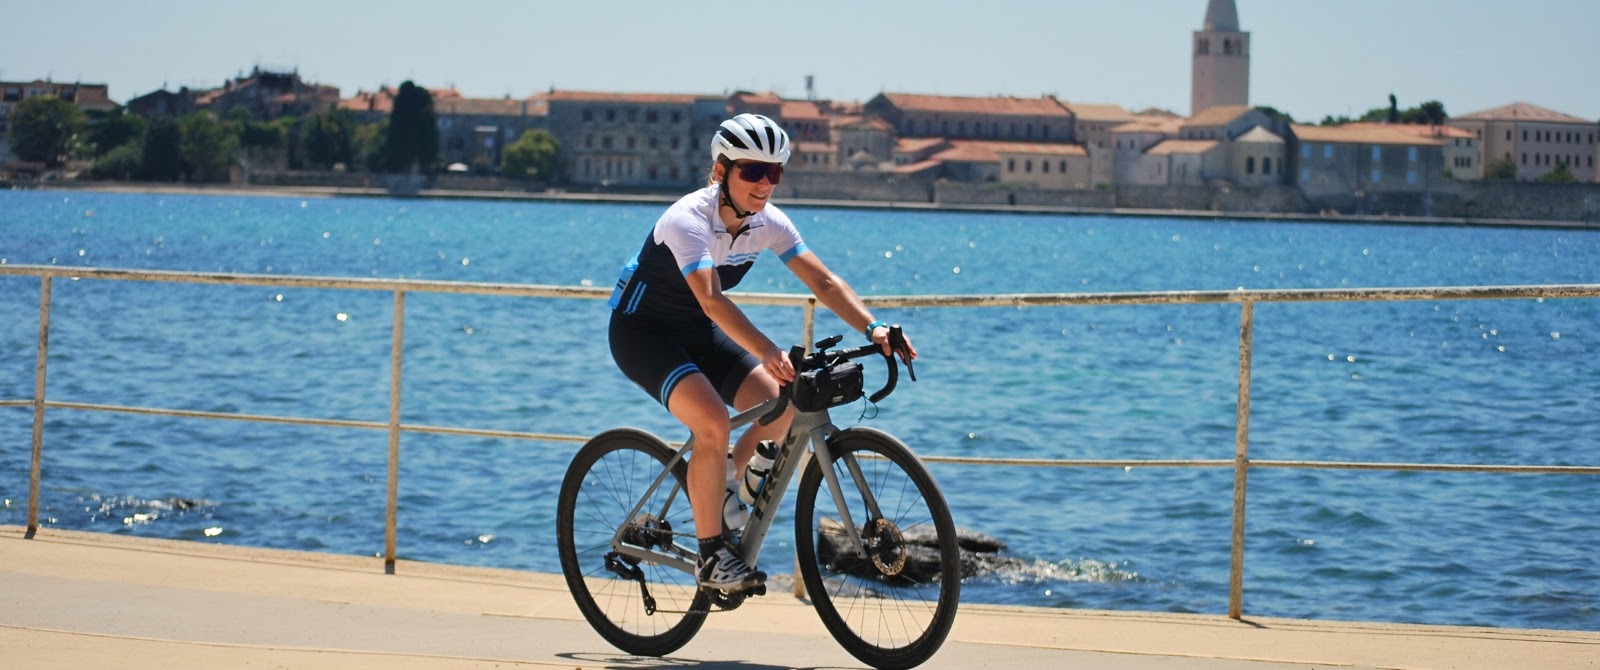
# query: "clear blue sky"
(1311, 57)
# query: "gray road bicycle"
(876, 546)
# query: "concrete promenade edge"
(72, 599)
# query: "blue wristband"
(874, 326)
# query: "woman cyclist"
(675, 334)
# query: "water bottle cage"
(817, 390)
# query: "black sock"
(710, 546)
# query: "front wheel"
(643, 607)
(893, 607)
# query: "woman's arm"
(707, 289)
(837, 295)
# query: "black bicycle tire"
(694, 614)
(924, 646)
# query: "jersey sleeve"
(784, 240)
(689, 238)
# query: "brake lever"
(897, 342)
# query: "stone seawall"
(1446, 199)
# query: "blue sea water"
(1442, 381)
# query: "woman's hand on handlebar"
(778, 365)
(880, 335)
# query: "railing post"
(39, 366)
(396, 356)
(808, 334)
(1241, 461)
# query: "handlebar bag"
(817, 390)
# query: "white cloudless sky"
(1310, 58)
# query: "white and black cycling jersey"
(688, 237)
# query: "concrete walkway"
(85, 600)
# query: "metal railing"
(1241, 463)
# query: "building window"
(961, 127)
(1044, 166)
(1524, 135)
(588, 115)
(1044, 131)
(1063, 169)
(1377, 176)
(944, 127)
(611, 115)
(1327, 151)
(1411, 176)
(674, 168)
(1250, 165)
(1305, 150)
(1305, 175)
(1377, 154)
(1524, 158)
(1411, 154)
(1011, 165)
(652, 116)
(1266, 166)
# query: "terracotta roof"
(758, 98)
(485, 107)
(1040, 149)
(1218, 116)
(800, 110)
(1098, 112)
(382, 100)
(814, 147)
(862, 123)
(1042, 106)
(915, 144)
(916, 167)
(1169, 147)
(1522, 111)
(634, 98)
(1150, 125)
(1417, 129)
(1375, 134)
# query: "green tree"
(109, 131)
(1274, 114)
(413, 138)
(535, 155)
(161, 156)
(369, 142)
(119, 163)
(329, 138)
(45, 129)
(1560, 175)
(208, 146)
(1500, 168)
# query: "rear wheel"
(893, 607)
(642, 607)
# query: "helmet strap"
(727, 198)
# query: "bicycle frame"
(809, 429)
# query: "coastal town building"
(87, 97)
(1535, 139)
(1220, 73)
(1340, 160)
(633, 139)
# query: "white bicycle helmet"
(750, 137)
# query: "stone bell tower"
(1221, 60)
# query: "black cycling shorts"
(657, 355)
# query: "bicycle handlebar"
(824, 358)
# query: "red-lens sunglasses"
(754, 172)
